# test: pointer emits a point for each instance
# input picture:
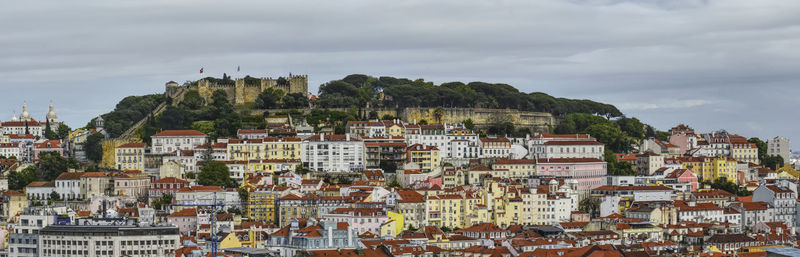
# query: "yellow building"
(445, 210)
(475, 174)
(270, 148)
(285, 148)
(293, 206)
(427, 157)
(508, 208)
(230, 241)
(394, 225)
(395, 130)
(13, 204)
(94, 184)
(514, 168)
(787, 172)
(262, 205)
(245, 149)
(452, 177)
(711, 168)
(744, 151)
(130, 156)
(272, 165)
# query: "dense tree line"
(360, 90)
(769, 161)
(618, 135)
(130, 110)
(49, 167)
(216, 118)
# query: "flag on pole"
(238, 68)
(201, 70)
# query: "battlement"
(245, 90)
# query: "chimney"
(347, 137)
(322, 137)
(330, 236)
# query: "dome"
(51, 115)
(553, 182)
(14, 118)
(25, 115)
(172, 84)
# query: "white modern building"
(333, 153)
(108, 238)
(782, 196)
(780, 146)
(168, 141)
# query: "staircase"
(129, 134)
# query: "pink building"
(683, 136)
(683, 176)
(47, 146)
(185, 220)
(589, 172)
(360, 219)
(168, 185)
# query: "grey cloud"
(651, 58)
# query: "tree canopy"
(359, 90)
(130, 110)
(215, 173)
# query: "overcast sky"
(728, 64)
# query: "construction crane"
(214, 205)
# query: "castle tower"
(99, 123)
(171, 88)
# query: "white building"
(783, 198)
(333, 153)
(780, 146)
(23, 240)
(11, 149)
(754, 212)
(68, 185)
(547, 145)
(495, 147)
(699, 212)
(88, 238)
(168, 141)
(433, 134)
(185, 158)
(40, 190)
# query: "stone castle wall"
(481, 117)
(241, 92)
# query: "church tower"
(51, 115)
(25, 115)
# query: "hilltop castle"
(244, 90)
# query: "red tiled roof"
(133, 145)
(42, 184)
(495, 139)
(171, 180)
(567, 160)
(515, 161)
(564, 136)
(484, 227)
(48, 144)
(70, 176)
(633, 188)
(180, 133)
(572, 143)
(184, 213)
(93, 174)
